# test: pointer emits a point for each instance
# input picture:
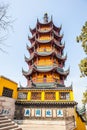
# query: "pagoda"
(45, 97)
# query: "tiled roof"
(46, 69)
(59, 87)
(45, 53)
(81, 112)
(46, 102)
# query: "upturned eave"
(45, 69)
(33, 31)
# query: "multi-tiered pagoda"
(45, 96)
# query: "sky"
(71, 14)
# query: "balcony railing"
(46, 80)
(44, 40)
(40, 80)
(44, 30)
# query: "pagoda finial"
(61, 26)
(37, 20)
(45, 18)
(51, 18)
(71, 84)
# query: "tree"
(83, 63)
(5, 23)
(83, 38)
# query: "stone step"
(9, 127)
(3, 118)
(2, 115)
(5, 121)
(16, 128)
(7, 124)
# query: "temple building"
(45, 102)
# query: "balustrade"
(43, 80)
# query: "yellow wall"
(57, 95)
(71, 96)
(5, 82)
(80, 125)
(42, 96)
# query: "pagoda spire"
(45, 18)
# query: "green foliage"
(83, 63)
(83, 67)
(83, 38)
(84, 100)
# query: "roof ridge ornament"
(45, 18)
(51, 18)
(61, 26)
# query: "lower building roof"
(66, 103)
(46, 88)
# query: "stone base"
(7, 106)
(45, 112)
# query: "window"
(7, 92)
(64, 95)
(36, 96)
(49, 95)
(22, 95)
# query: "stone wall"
(7, 106)
(27, 112)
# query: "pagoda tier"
(46, 76)
(50, 32)
(50, 23)
(51, 42)
(36, 55)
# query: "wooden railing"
(41, 80)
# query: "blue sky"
(72, 14)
